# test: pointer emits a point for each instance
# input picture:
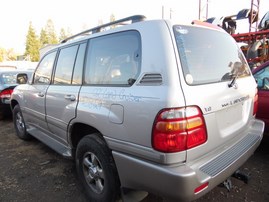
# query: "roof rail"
(133, 19)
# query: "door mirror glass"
(22, 78)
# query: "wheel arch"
(80, 130)
(13, 103)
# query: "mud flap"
(128, 195)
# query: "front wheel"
(19, 124)
(96, 169)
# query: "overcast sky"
(77, 15)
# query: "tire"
(19, 124)
(96, 169)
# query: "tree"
(7, 55)
(2, 53)
(50, 32)
(32, 44)
(44, 39)
(10, 55)
(112, 19)
(64, 33)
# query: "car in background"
(261, 74)
(8, 81)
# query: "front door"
(34, 110)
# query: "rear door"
(217, 79)
(62, 94)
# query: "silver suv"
(150, 105)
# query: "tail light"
(178, 129)
(255, 106)
(6, 93)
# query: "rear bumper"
(179, 181)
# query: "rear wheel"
(19, 124)
(96, 169)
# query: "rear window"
(209, 56)
(114, 59)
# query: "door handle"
(41, 94)
(70, 97)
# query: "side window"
(44, 69)
(77, 75)
(262, 78)
(65, 65)
(114, 59)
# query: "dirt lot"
(30, 171)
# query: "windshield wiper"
(234, 77)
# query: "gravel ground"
(32, 172)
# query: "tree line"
(47, 36)
(34, 42)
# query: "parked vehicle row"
(152, 106)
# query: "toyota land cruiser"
(149, 105)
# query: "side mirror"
(266, 24)
(22, 78)
(265, 82)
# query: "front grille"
(218, 164)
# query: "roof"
(8, 66)
(7, 70)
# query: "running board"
(50, 142)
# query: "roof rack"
(133, 19)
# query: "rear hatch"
(216, 78)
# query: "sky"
(78, 15)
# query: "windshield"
(209, 56)
(8, 78)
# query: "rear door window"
(209, 56)
(65, 64)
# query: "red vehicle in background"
(261, 74)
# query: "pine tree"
(112, 19)
(64, 34)
(50, 31)
(32, 44)
(2, 53)
(44, 40)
